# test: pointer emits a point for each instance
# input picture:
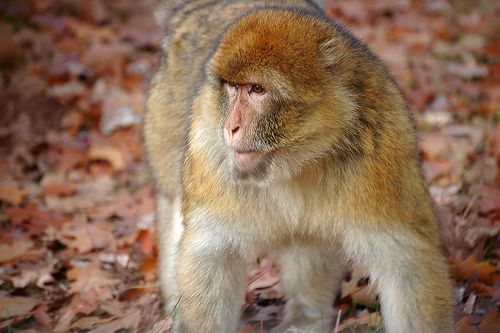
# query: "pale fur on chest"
(263, 216)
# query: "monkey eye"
(257, 89)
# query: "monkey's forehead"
(272, 42)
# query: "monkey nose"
(235, 130)
(232, 135)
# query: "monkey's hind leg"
(170, 229)
(311, 279)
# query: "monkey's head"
(280, 104)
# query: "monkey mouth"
(250, 164)
(246, 160)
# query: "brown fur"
(341, 175)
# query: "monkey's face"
(264, 133)
(256, 127)
(246, 105)
(272, 86)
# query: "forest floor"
(77, 234)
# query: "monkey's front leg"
(211, 283)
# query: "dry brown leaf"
(130, 320)
(133, 294)
(489, 205)
(464, 326)
(90, 278)
(32, 219)
(23, 279)
(16, 306)
(11, 54)
(57, 185)
(43, 318)
(491, 323)
(12, 195)
(365, 318)
(40, 273)
(146, 241)
(164, 325)
(85, 237)
(129, 143)
(88, 323)
(148, 269)
(485, 271)
(483, 290)
(109, 154)
(65, 158)
(77, 305)
(10, 252)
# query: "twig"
(170, 315)
(337, 322)
(255, 279)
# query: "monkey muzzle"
(247, 160)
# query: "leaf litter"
(77, 239)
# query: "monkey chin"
(264, 171)
(250, 167)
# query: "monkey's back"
(194, 28)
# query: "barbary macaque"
(271, 128)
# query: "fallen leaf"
(470, 69)
(149, 269)
(85, 237)
(43, 318)
(491, 323)
(11, 306)
(464, 326)
(146, 241)
(164, 325)
(10, 252)
(114, 307)
(11, 54)
(118, 110)
(489, 205)
(78, 305)
(109, 154)
(483, 290)
(12, 195)
(485, 271)
(24, 279)
(133, 294)
(365, 318)
(57, 185)
(129, 320)
(88, 323)
(67, 90)
(91, 278)
(33, 220)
